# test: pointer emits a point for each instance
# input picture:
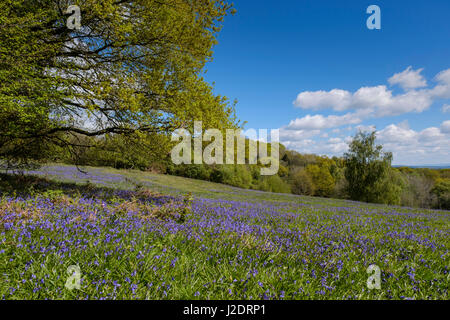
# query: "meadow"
(136, 235)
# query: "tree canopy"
(368, 171)
(134, 67)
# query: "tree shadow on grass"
(26, 186)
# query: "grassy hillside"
(136, 235)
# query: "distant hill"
(432, 166)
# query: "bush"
(217, 176)
(193, 171)
(274, 184)
(237, 175)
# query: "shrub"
(274, 184)
(217, 176)
(234, 175)
(193, 171)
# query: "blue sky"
(315, 71)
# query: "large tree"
(134, 67)
(369, 173)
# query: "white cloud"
(297, 135)
(442, 90)
(330, 147)
(336, 99)
(444, 76)
(416, 147)
(379, 99)
(408, 79)
(412, 101)
(334, 140)
(372, 97)
(445, 127)
(305, 146)
(365, 128)
(319, 122)
(397, 134)
(446, 108)
(336, 146)
(430, 134)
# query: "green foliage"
(389, 189)
(368, 171)
(134, 68)
(442, 191)
(236, 175)
(417, 189)
(118, 151)
(322, 180)
(283, 171)
(340, 188)
(274, 184)
(216, 176)
(194, 171)
(302, 183)
(295, 159)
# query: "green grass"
(232, 244)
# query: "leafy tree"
(116, 151)
(295, 159)
(442, 192)
(283, 171)
(417, 191)
(322, 179)
(368, 171)
(302, 183)
(134, 67)
(389, 189)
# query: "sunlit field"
(136, 235)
